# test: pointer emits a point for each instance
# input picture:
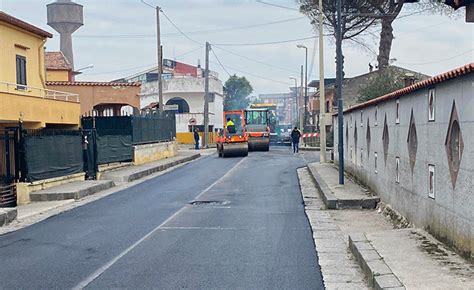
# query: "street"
(245, 229)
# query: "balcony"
(38, 107)
(28, 91)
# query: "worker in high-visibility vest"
(230, 126)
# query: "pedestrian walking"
(196, 139)
(295, 139)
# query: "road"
(247, 230)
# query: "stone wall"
(412, 164)
(153, 152)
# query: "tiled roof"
(55, 60)
(464, 70)
(104, 84)
(23, 25)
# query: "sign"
(192, 121)
(171, 107)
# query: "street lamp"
(86, 67)
(295, 111)
(305, 84)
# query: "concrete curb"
(332, 202)
(75, 190)
(379, 275)
(114, 176)
(7, 215)
(329, 199)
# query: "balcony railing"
(29, 91)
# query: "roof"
(99, 84)
(461, 71)
(55, 60)
(23, 25)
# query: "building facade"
(285, 103)
(23, 93)
(183, 92)
(414, 147)
(102, 98)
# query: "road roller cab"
(233, 140)
(258, 129)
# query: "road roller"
(258, 129)
(233, 140)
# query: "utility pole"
(306, 97)
(160, 60)
(300, 107)
(322, 93)
(340, 116)
(206, 98)
(295, 108)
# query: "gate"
(10, 151)
(89, 143)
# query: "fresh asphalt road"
(249, 230)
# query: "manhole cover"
(209, 202)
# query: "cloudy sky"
(118, 37)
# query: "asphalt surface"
(246, 229)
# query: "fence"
(117, 134)
(52, 153)
(8, 195)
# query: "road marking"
(84, 283)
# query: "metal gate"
(89, 143)
(10, 151)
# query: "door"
(89, 145)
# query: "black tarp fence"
(117, 134)
(52, 153)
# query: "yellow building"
(58, 68)
(23, 94)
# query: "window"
(352, 159)
(21, 72)
(431, 105)
(397, 169)
(397, 113)
(212, 96)
(431, 181)
(361, 118)
(361, 157)
(327, 106)
(375, 115)
(375, 162)
(455, 146)
(351, 120)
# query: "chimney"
(199, 63)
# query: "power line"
(152, 65)
(255, 60)
(189, 32)
(276, 5)
(254, 75)
(437, 61)
(270, 42)
(223, 67)
(179, 30)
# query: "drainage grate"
(209, 202)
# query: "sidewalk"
(74, 196)
(335, 196)
(390, 255)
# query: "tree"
(386, 81)
(363, 15)
(238, 89)
(354, 24)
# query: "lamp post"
(305, 85)
(295, 110)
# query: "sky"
(119, 39)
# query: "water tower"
(65, 17)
